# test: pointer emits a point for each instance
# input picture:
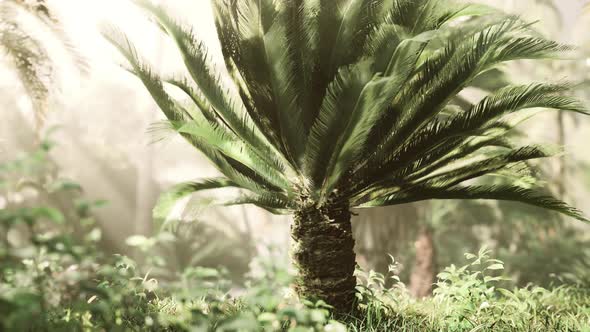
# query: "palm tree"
(328, 105)
(28, 52)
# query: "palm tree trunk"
(323, 252)
(424, 271)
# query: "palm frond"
(376, 96)
(219, 145)
(226, 144)
(152, 82)
(31, 59)
(168, 199)
(502, 193)
(530, 47)
(270, 203)
(449, 178)
(47, 16)
(439, 84)
(196, 96)
(342, 103)
(447, 136)
(358, 101)
(228, 108)
(31, 62)
(302, 38)
(258, 54)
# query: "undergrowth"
(53, 279)
(55, 284)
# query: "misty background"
(101, 120)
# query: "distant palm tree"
(340, 104)
(28, 52)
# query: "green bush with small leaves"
(53, 277)
(471, 298)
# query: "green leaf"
(267, 317)
(476, 10)
(500, 192)
(235, 149)
(49, 213)
(342, 104)
(65, 185)
(168, 200)
(227, 106)
(496, 266)
(140, 241)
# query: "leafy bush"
(56, 283)
(470, 298)
(53, 278)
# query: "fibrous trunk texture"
(323, 253)
(424, 271)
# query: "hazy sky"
(84, 16)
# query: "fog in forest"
(107, 136)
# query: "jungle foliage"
(326, 106)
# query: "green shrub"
(470, 298)
(51, 279)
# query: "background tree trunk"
(384, 231)
(146, 194)
(562, 167)
(424, 272)
(322, 251)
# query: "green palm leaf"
(503, 193)
(352, 102)
(328, 105)
(168, 200)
